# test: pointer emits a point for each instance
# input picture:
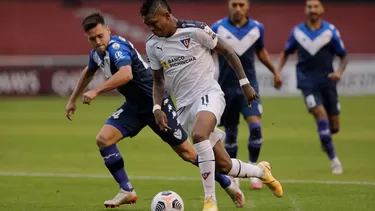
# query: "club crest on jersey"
(185, 42)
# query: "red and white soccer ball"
(167, 201)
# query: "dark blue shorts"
(130, 121)
(235, 106)
(327, 97)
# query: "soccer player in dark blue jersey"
(127, 72)
(318, 42)
(246, 36)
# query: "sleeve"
(215, 26)
(152, 60)
(338, 44)
(259, 44)
(120, 55)
(206, 36)
(291, 45)
(92, 66)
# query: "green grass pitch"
(36, 137)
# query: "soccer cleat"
(336, 166)
(256, 183)
(235, 180)
(123, 197)
(270, 181)
(209, 205)
(236, 194)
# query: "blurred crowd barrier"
(45, 48)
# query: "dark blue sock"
(255, 141)
(326, 137)
(231, 141)
(115, 164)
(223, 180)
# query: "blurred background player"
(318, 42)
(179, 53)
(126, 71)
(246, 37)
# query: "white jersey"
(186, 60)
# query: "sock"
(231, 140)
(326, 137)
(245, 170)
(255, 141)
(207, 167)
(223, 180)
(115, 164)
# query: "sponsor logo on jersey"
(165, 64)
(180, 60)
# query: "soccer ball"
(167, 201)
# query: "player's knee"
(103, 140)
(199, 136)
(224, 166)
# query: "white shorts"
(213, 102)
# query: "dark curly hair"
(149, 6)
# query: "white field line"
(78, 175)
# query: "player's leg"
(121, 124)
(235, 167)
(178, 139)
(314, 103)
(252, 116)
(332, 106)
(230, 121)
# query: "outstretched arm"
(233, 60)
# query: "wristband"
(244, 81)
(156, 107)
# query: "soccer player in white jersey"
(179, 53)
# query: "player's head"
(96, 31)
(238, 9)
(157, 15)
(314, 10)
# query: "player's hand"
(161, 120)
(277, 81)
(249, 93)
(335, 76)
(89, 96)
(70, 108)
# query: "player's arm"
(157, 88)
(262, 52)
(228, 53)
(231, 57)
(290, 48)
(84, 80)
(121, 77)
(120, 55)
(340, 51)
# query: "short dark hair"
(149, 6)
(92, 21)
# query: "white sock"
(206, 161)
(245, 170)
